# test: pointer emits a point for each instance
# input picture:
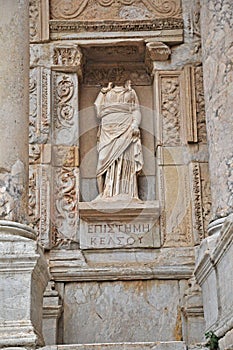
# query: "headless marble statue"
(118, 142)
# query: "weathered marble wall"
(217, 31)
(110, 312)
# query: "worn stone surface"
(14, 33)
(175, 345)
(216, 29)
(52, 310)
(120, 311)
(227, 341)
(214, 259)
(24, 276)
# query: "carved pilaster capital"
(68, 58)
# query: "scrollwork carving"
(65, 209)
(33, 108)
(65, 110)
(83, 9)
(167, 8)
(67, 9)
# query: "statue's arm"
(137, 117)
(98, 104)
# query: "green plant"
(212, 338)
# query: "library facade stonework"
(116, 174)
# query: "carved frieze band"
(118, 9)
(111, 26)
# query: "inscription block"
(111, 225)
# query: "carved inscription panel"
(107, 235)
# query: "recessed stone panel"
(120, 311)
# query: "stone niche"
(117, 224)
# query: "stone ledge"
(17, 229)
(107, 210)
(173, 345)
(19, 333)
(128, 265)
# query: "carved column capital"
(69, 58)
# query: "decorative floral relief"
(87, 9)
(65, 111)
(65, 218)
(170, 110)
(34, 13)
(67, 56)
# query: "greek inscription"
(119, 228)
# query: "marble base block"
(24, 276)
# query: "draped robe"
(120, 152)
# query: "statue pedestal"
(108, 224)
